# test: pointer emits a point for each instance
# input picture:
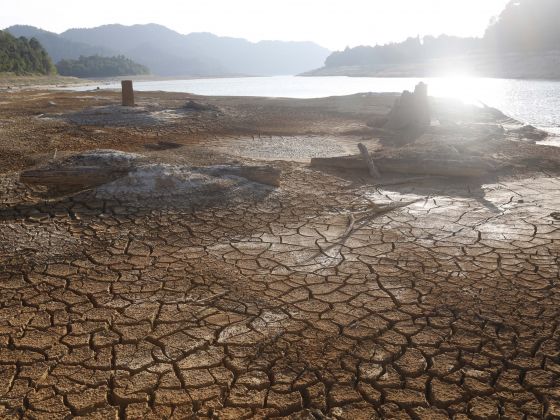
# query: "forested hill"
(97, 66)
(23, 56)
(523, 41)
(411, 50)
(58, 47)
(169, 53)
(525, 26)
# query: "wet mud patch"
(162, 145)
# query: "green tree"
(98, 66)
(23, 56)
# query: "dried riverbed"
(328, 297)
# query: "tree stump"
(410, 116)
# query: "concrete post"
(127, 93)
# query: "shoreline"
(54, 81)
(57, 83)
(51, 106)
(244, 88)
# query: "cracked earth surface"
(443, 307)
(304, 304)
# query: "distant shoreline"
(11, 81)
(336, 72)
(533, 66)
(516, 98)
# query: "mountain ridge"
(169, 53)
(57, 46)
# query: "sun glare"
(458, 85)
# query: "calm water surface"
(535, 102)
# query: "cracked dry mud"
(443, 305)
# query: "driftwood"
(417, 166)
(374, 173)
(361, 219)
(73, 177)
(98, 167)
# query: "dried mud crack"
(443, 303)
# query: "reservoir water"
(535, 102)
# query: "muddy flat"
(332, 296)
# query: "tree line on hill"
(524, 26)
(411, 50)
(168, 53)
(23, 56)
(97, 66)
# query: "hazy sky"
(334, 24)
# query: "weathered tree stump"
(410, 116)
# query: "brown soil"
(329, 297)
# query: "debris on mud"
(162, 145)
(123, 175)
(449, 147)
(430, 155)
(81, 171)
(528, 132)
(414, 164)
(198, 106)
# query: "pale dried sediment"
(158, 181)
